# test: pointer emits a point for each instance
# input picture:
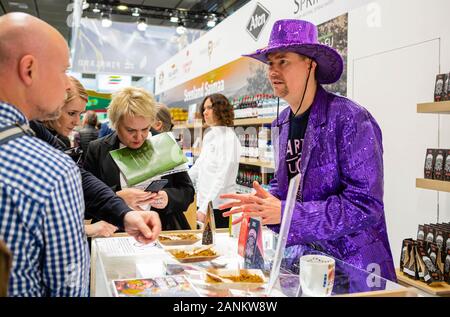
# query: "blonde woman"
(74, 106)
(131, 113)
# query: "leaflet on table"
(164, 286)
(124, 246)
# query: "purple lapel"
(316, 118)
(280, 136)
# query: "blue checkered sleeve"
(66, 264)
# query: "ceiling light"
(142, 25)
(122, 7)
(85, 5)
(212, 21)
(135, 12)
(96, 8)
(181, 29)
(106, 20)
(174, 19)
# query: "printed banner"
(122, 49)
(248, 77)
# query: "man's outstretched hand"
(144, 226)
(259, 204)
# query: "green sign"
(96, 103)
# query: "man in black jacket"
(102, 203)
(88, 133)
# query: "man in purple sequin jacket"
(335, 145)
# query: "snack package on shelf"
(408, 259)
(428, 272)
(447, 166)
(428, 258)
(447, 87)
(429, 163)
(438, 170)
(441, 79)
(447, 266)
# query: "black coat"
(100, 201)
(179, 189)
(87, 134)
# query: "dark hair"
(222, 109)
(163, 115)
(91, 118)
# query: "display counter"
(121, 257)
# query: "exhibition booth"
(396, 65)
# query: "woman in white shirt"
(214, 172)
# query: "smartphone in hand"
(156, 185)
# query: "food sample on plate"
(241, 276)
(196, 252)
(178, 236)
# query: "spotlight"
(122, 7)
(174, 19)
(212, 21)
(135, 12)
(106, 20)
(85, 5)
(96, 8)
(142, 25)
(181, 29)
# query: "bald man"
(41, 199)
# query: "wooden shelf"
(406, 292)
(243, 160)
(433, 184)
(436, 288)
(237, 122)
(253, 121)
(434, 107)
(256, 162)
(188, 126)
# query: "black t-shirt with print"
(297, 130)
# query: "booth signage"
(257, 21)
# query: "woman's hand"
(100, 229)
(134, 197)
(159, 200)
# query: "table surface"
(123, 258)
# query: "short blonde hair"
(131, 101)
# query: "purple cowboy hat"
(301, 37)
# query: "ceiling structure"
(193, 13)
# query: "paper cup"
(317, 275)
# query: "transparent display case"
(121, 257)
